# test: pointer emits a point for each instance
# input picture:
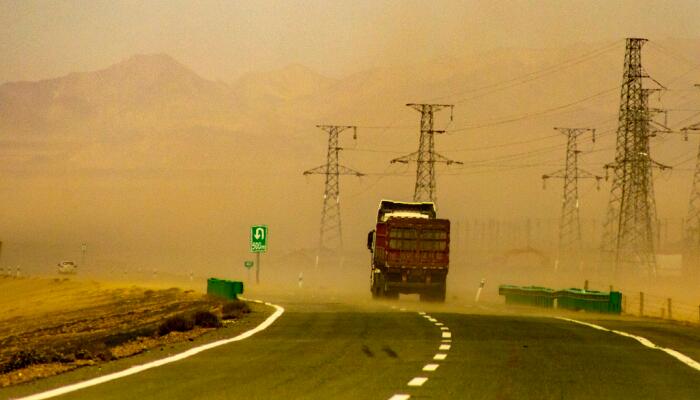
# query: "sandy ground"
(48, 326)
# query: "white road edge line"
(644, 341)
(400, 397)
(417, 381)
(157, 363)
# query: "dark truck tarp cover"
(388, 206)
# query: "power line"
(528, 77)
(535, 114)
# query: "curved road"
(326, 350)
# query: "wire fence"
(643, 304)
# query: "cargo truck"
(410, 251)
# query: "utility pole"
(426, 157)
(570, 249)
(331, 232)
(628, 238)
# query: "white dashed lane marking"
(431, 367)
(445, 345)
(417, 381)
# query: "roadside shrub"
(206, 319)
(177, 323)
(127, 336)
(234, 309)
(22, 359)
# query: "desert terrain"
(53, 325)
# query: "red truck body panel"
(412, 243)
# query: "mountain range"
(152, 133)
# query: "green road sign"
(258, 238)
(248, 264)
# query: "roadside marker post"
(478, 291)
(258, 244)
(83, 249)
(248, 264)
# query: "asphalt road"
(334, 350)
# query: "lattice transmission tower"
(692, 222)
(331, 234)
(570, 248)
(629, 231)
(426, 157)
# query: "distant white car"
(67, 267)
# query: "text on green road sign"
(248, 264)
(258, 238)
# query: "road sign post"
(257, 268)
(258, 244)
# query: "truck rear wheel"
(380, 292)
(440, 294)
(434, 295)
(391, 294)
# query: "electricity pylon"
(570, 249)
(628, 237)
(692, 223)
(331, 235)
(426, 157)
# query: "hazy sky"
(223, 39)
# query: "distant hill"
(140, 92)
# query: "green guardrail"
(528, 295)
(569, 299)
(590, 300)
(224, 288)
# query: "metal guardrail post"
(670, 315)
(641, 304)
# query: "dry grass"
(56, 325)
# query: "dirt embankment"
(48, 326)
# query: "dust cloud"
(161, 156)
